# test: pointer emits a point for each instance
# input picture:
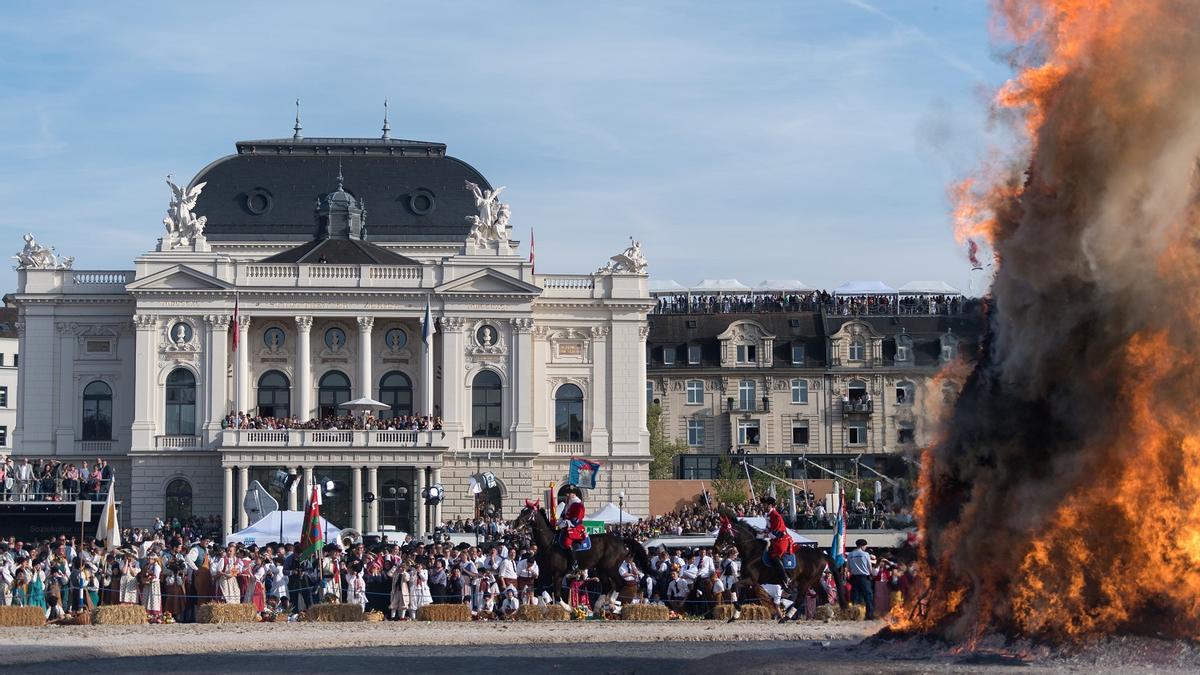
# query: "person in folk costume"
(254, 591)
(571, 521)
(78, 598)
(356, 586)
(418, 589)
(225, 571)
(331, 573)
(111, 578)
(152, 585)
(35, 587)
(277, 577)
(780, 541)
(399, 600)
(127, 593)
(175, 581)
(199, 563)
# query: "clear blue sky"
(811, 139)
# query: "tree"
(729, 487)
(663, 450)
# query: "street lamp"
(621, 509)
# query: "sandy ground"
(34, 645)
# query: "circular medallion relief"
(395, 339)
(274, 338)
(181, 332)
(335, 339)
(486, 335)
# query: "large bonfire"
(1063, 499)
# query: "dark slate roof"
(412, 190)
(676, 331)
(8, 320)
(340, 252)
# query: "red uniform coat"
(573, 513)
(781, 541)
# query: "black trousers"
(862, 590)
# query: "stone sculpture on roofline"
(629, 261)
(184, 228)
(37, 257)
(490, 226)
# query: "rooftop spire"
(297, 135)
(339, 176)
(386, 129)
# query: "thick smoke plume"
(1063, 500)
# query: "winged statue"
(38, 257)
(629, 261)
(182, 225)
(491, 223)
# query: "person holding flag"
(571, 522)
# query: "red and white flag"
(532, 265)
(235, 323)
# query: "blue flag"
(584, 473)
(837, 550)
(427, 327)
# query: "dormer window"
(857, 349)
(693, 351)
(949, 348)
(797, 353)
(668, 356)
(747, 354)
(904, 351)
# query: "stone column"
(542, 417)
(419, 503)
(599, 391)
(143, 427)
(303, 387)
(426, 407)
(243, 364)
(437, 510)
(243, 483)
(227, 513)
(292, 494)
(218, 394)
(365, 386)
(64, 435)
(522, 383)
(356, 498)
(373, 507)
(453, 387)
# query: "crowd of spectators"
(844, 305)
(48, 479)
(340, 422)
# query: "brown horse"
(810, 565)
(603, 559)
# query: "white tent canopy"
(928, 288)
(864, 288)
(789, 285)
(720, 286)
(360, 404)
(268, 530)
(760, 523)
(611, 513)
(666, 286)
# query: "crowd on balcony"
(809, 302)
(336, 423)
(48, 479)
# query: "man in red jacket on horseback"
(571, 521)
(780, 540)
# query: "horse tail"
(840, 587)
(640, 557)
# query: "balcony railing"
(300, 275)
(177, 442)
(859, 406)
(96, 446)
(570, 448)
(242, 438)
(486, 443)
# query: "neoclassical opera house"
(330, 250)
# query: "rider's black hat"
(569, 489)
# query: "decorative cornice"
(600, 332)
(453, 324)
(521, 325)
(218, 321)
(145, 321)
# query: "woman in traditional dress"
(418, 589)
(128, 582)
(225, 570)
(398, 604)
(91, 586)
(152, 585)
(356, 587)
(35, 589)
(254, 592)
(174, 598)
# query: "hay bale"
(119, 615)
(645, 612)
(374, 617)
(22, 616)
(542, 613)
(220, 613)
(455, 612)
(335, 612)
(750, 612)
(834, 613)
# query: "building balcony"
(96, 446)
(349, 276)
(319, 438)
(486, 443)
(177, 442)
(860, 407)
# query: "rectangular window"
(747, 432)
(746, 395)
(747, 354)
(16, 360)
(694, 355)
(905, 435)
(799, 433)
(3, 397)
(857, 434)
(649, 392)
(797, 354)
(1, 359)
(96, 346)
(695, 433)
(3, 437)
(668, 356)
(799, 391)
(698, 467)
(695, 392)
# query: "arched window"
(395, 389)
(857, 349)
(905, 392)
(274, 395)
(97, 412)
(333, 391)
(568, 414)
(486, 405)
(181, 403)
(178, 500)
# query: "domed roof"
(266, 191)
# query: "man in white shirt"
(862, 577)
(507, 570)
(527, 574)
(677, 592)
(24, 479)
(704, 564)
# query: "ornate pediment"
(744, 332)
(179, 278)
(488, 282)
